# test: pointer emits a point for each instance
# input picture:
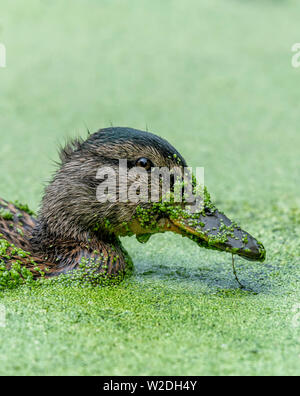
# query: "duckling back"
(16, 227)
(18, 244)
(16, 223)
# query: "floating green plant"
(24, 207)
(6, 214)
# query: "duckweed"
(23, 207)
(87, 275)
(147, 217)
(245, 239)
(16, 276)
(6, 214)
(195, 322)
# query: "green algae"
(9, 250)
(245, 239)
(16, 276)
(6, 214)
(157, 324)
(87, 275)
(147, 215)
(16, 273)
(191, 225)
(23, 207)
(148, 218)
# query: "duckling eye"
(144, 163)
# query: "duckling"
(73, 225)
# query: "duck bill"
(212, 229)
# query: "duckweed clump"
(6, 214)
(9, 250)
(87, 275)
(17, 274)
(193, 225)
(148, 216)
(23, 207)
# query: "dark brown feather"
(55, 256)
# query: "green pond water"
(215, 79)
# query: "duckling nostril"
(172, 182)
(208, 211)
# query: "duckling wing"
(16, 226)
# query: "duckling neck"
(65, 253)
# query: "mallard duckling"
(73, 224)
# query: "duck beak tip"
(212, 229)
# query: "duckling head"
(105, 187)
